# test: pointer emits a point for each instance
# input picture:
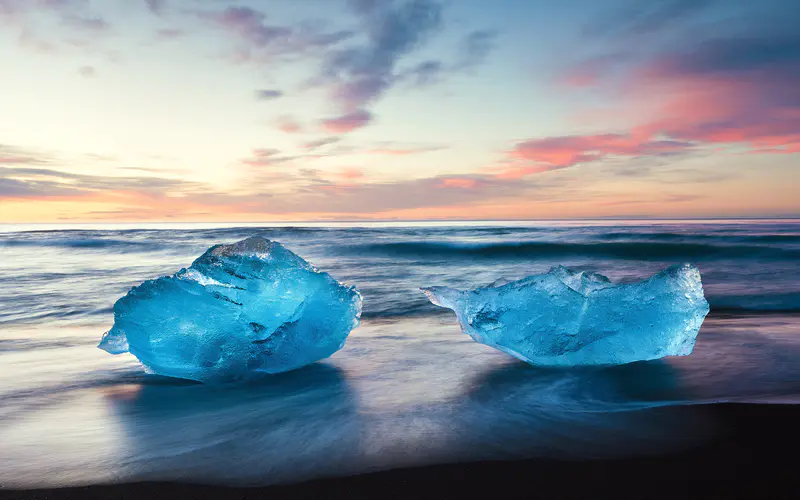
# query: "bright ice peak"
(569, 318)
(239, 311)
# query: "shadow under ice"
(287, 427)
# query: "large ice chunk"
(240, 310)
(568, 318)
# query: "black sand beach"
(753, 456)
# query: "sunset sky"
(288, 110)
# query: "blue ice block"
(569, 318)
(239, 311)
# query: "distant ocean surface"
(408, 388)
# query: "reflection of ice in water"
(279, 428)
(399, 394)
(741, 358)
(411, 400)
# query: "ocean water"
(408, 388)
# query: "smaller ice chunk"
(237, 312)
(569, 318)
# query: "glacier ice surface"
(569, 318)
(239, 311)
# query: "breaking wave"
(73, 276)
(79, 243)
(534, 249)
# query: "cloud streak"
(261, 41)
(360, 74)
(639, 18)
(46, 182)
(347, 123)
(288, 125)
(267, 157)
(566, 151)
(475, 48)
(472, 52)
(15, 156)
(268, 94)
(319, 143)
(348, 194)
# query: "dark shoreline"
(753, 457)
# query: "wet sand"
(753, 456)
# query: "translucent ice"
(240, 310)
(568, 318)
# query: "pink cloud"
(728, 117)
(347, 179)
(351, 173)
(566, 151)
(519, 172)
(727, 91)
(337, 188)
(289, 125)
(755, 108)
(391, 152)
(458, 182)
(347, 122)
(739, 91)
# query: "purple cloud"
(289, 125)
(318, 143)
(426, 73)
(15, 156)
(473, 51)
(348, 122)
(475, 48)
(169, 33)
(361, 74)
(261, 40)
(268, 94)
(249, 24)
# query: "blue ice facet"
(238, 311)
(569, 318)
